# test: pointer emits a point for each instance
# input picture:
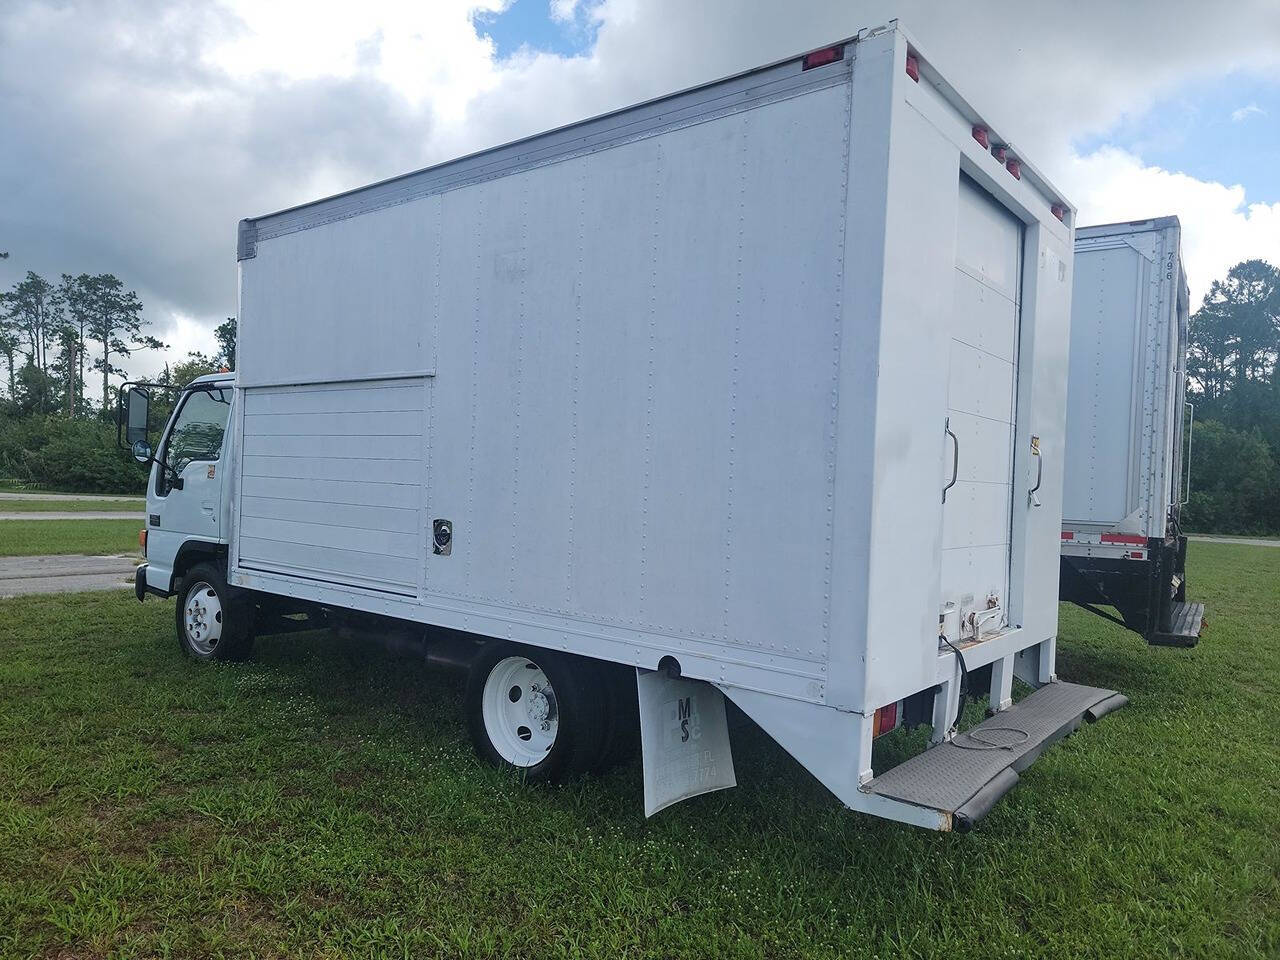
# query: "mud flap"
(684, 739)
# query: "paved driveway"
(66, 574)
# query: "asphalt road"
(72, 515)
(1248, 541)
(7, 495)
(66, 574)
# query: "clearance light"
(980, 134)
(820, 58)
(1014, 167)
(1059, 211)
(1000, 153)
(913, 67)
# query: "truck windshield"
(198, 430)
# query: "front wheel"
(213, 623)
(535, 711)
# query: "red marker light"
(820, 58)
(999, 153)
(1059, 211)
(913, 67)
(1014, 167)
(980, 134)
(884, 719)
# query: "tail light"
(142, 540)
(884, 720)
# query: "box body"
(687, 380)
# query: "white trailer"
(753, 390)
(1122, 543)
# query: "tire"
(621, 741)
(535, 712)
(213, 621)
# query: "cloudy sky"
(135, 133)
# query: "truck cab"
(187, 518)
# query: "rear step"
(1185, 624)
(964, 777)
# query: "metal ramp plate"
(1185, 625)
(964, 777)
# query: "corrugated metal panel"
(332, 483)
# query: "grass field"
(73, 506)
(28, 538)
(299, 806)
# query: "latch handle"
(955, 458)
(1032, 499)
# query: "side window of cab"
(197, 433)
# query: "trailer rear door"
(980, 411)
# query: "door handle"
(206, 506)
(955, 458)
(1032, 499)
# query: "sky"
(134, 134)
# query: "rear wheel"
(213, 622)
(535, 711)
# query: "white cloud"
(564, 11)
(1219, 227)
(1244, 113)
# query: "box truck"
(755, 390)
(1127, 458)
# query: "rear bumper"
(962, 779)
(141, 587)
(1145, 583)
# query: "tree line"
(1232, 380)
(54, 338)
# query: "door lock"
(442, 537)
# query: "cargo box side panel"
(331, 483)
(1106, 324)
(633, 418)
(347, 301)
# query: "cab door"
(193, 448)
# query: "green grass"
(299, 806)
(26, 538)
(73, 506)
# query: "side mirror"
(137, 405)
(141, 451)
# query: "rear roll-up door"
(980, 409)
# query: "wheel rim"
(520, 710)
(202, 618)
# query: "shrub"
(80, 456)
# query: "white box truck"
(755, 390)
(1122, 541)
